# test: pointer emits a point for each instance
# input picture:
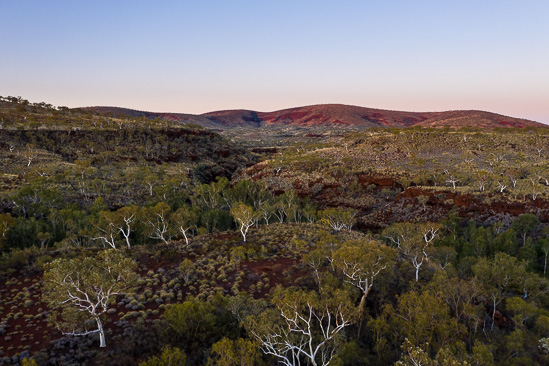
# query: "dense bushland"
(197, 255)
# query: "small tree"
(460, 296)
(106, 231)
(414, 355)
(227, 352)
(158, 219)
(524, 225)
(425, 319)
(124, 218)
(83, 289)
(237, 255)
(187, 268)
(83, 167)
(44, 238)
(245, 216)
(498, 276)
(110, 224)
(482, 179)
(6, 222)
(453, 180)
(169, 357)
(338, 219)
(360, 262)
(29, 154)
(423, 201)
(184, 220)
(190, 321)
(286, 205)
(316, 260)
(413, 241)
(544, 247)
(210, 196)
(267, 210)
(304, 327)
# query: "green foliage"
(187, 268)
(84, 288)
(22, 233)
(239, 352)
(522, 310)
(184, 219)
(338, 219)
(191, 321)
(6, 222)
(524, 225)
(303, 318)
(73, 180)
(360, 262)
(351, 354)
(413, 241)
(243, 305)
(215, 220)
(171, 356)
(414, 355)
(245, 216)
(423, 318)
(504, 273)
(28, 362)
(482, 355)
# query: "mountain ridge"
(331, 115)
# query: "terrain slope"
(331, 115)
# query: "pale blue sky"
(200, 56)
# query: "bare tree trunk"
(186, 238)
(101, 333)
(127, 237)
(243, 232)
(361, 313)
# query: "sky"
(206, 55)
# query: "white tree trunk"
(244, 230)
(101, 333)
(126, 235)
(184, 232)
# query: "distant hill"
(179, 117)
(331, 115)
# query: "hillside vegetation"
(136, 240)
(330, 115)
(419, 174)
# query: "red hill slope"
(333, 115)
